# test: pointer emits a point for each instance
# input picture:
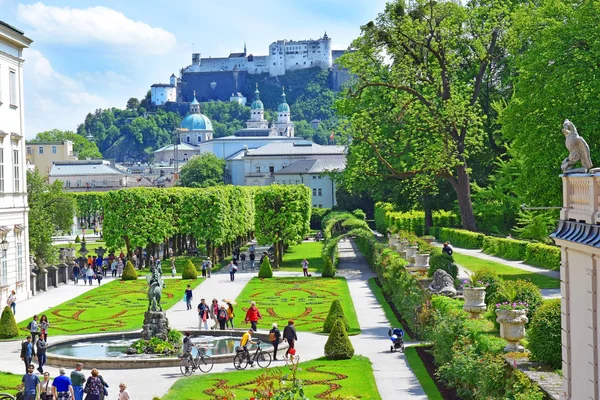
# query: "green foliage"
(544, 334)
(189, 271)
(129, 272)
(81, 145)
(360, 214)
(462, 238)
(8, 325)
(535, 226)
(543, 256)
(89, 206)
(519, 290)
(265, 269)
(77, 240)
(335, 312)
(492, 281)
(175, 337)
(510, 249)
(328, 269)
(155, 345)
(381, 211)
(444, 262)
(520, 387)
(203, 171)
(338, 346)
(316, 216)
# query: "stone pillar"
(42, 280)
(52, 275)
(63, 273)
(33, 283)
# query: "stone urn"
(512, 327)
(70, 252)
(422, 261)
(410, 251)
(474, 301)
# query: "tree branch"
(406, 89)
(483, 66)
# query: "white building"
(160, 93)
(84, 175)
(14, 232)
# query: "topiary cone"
(189, 271)
(8, 325)
(338, 346)
(129, 273)
(265, 269)
(328, 270)
(336, 312)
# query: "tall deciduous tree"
(203, 171)
(414, 107)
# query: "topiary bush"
(444, 262)
(265, 269)
(129, 273)
(542, 255)
(338, 346)
(328, 269)
(189, 271)
(77, 239)
(544, 334)
(8, 325)
(360, 214)
(335, 312)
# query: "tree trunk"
(280, 252)
(128, 246)
(428, 214)
(463, 193)
(276, 255)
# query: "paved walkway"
(395, 380)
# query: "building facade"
(43, 154)
(87, 175)
(14, 232)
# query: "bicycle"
(262, 358)
(189, 364)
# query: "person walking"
(30, 384)
(113, 268)
(222, 318)
(230, 314)
(78, 380)
(203, 314)
(93, 386)
(90, 274)
(62, 386)
(188, 297)
(174, 269)
(209, 267)
(44, 325)
(253, 315)
(99, 275)
(34, 330)
(123, 393)
(204, 269)
(104, 392)
(46, 389)
(12, 302)
(27, 352)
(76, 272)
(84, 274)
(274, 338)
(305, 267)
(214, 311)
(232, 271)
(289, 335)
(41, 354)
(120, 266)
(252, 258)
(243, 261)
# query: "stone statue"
(155, 285)
(443, 284)
(577, 146)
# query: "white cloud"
(94, 25)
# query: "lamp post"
(4, 247)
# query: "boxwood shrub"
(544, 334)
(129, 273)
(338, 346)
(8, 325)
(444, 262)
(510, 249)
(543, 255)
(189, 271)
(462, 238)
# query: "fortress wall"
(201, 83)
(223, 64)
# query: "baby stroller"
(397, 337)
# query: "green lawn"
(310, 250)
(474, 264)
(115, 306)
(389, 313)
(321, 378)
(305, 300)
(9, 383)
(427, 383)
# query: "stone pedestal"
(52, 275)
(42, 280)
(410, 251)
(422, 262)
(392, 241)
(33, 283)
(63, 273)
(156, 324)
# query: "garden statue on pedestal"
(578, 149)
(156, 323)
(443, 284)
(155, 285)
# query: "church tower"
(196, 127)
(284, 124)
(257, 113)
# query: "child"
(173, 269)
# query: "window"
(297, 181)
(314, 177)
(68, 184)
(17, 171)
(105, 183)
(314, 192)
(53, 149)
(93, 183)
(258, 168)
(41, 150)
(320, 177)
(271, 168)
(29, 150)
(320, 205)
(78, 182)
(12, 82)
(19, 258)
(1, 170)
(320, 192)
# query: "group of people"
(64, 387)
(36, 342)
(220, 315)
(97, 268)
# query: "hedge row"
(386, 219)
(461, 238)
(542, 255)
(510, 249)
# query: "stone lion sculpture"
(443, 284)
(577, 146)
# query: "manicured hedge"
(544, 334)
(381, 210)
(8, 325)
(542, 255)
(510, 249)
(317, 216)
(461, 238)
(189, 271)
(412, 221)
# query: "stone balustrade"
(581, 198)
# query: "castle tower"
(173, 80)
(284, 124)
(257, 113)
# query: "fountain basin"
(107, 351)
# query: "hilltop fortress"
(223, 78)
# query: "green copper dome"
(283, 106)
(196, 122)
(257, 104)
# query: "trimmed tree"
(129, 273)
(544, 334)
(265, 269)
(338, 346)
(336, 312)
(189, 271)
(8, 325)
(328, 269)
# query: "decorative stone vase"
(512, 327)
(401, 246)
(429, 240)
(69, 252)
(474, 301)
(422, 261)
(410, 251)
(392, 241)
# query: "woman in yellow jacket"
(230, 315)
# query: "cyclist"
(187, 344)
(247, 339)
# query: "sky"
(87, 54)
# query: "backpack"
(272, 336)
(222, 314)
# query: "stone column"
(63, 273)
(52, 275)
(33, 283)
(42, 280)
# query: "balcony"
(581, 198)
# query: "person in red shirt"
(253, 315)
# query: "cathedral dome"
(257, 105)
(283, 107)
(196, 122)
